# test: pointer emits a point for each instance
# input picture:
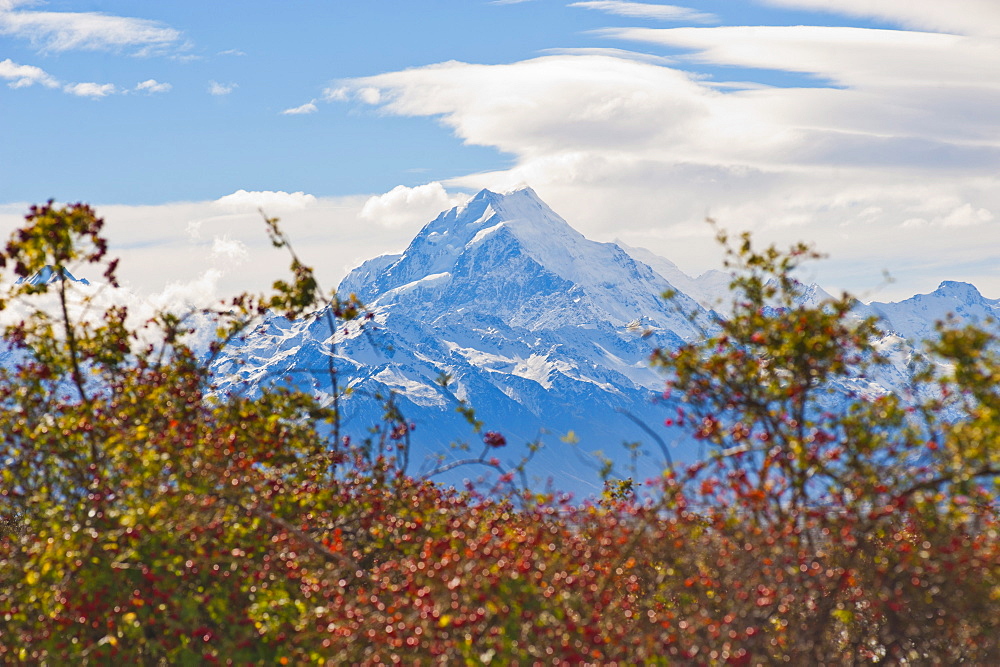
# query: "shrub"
(147, 519)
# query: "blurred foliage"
(146, 519)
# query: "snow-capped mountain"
(544, 333)
(915, 318)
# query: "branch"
(944, 479)
(652, 434)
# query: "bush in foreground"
(149, 520)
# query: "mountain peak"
(520, 213)
(512, 257)
(958, 289)
(522, 191)
(521, 204)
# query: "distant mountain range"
(545, 333)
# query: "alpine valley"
(501, 305)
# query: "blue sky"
(867, 128)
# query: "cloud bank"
(888, 157)
(209, 250)
(241, 200)
(966, 17)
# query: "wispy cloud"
(232, 52)
(216, 88)
(613, 53)
(94, 90)
(968, 17)
(22, 76)
(307, 108)
(843, 55)
(227, 248)
(646, 10)
(153, 86)
(91, 31)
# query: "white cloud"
(234, 250)
(232, 52)
(216, 88)
(404, 206)
(615, 53)
(21, 76)
(556, 104)
(242, 200)
(180, 295)
(926, 87)
(369, 95)
(94, 90)
(156, 249)
(844, 55)
(967, 17)
(966, 216)
(337, 94)
(93, 31)
(645, 10)
(366, 94)
(153, 86)
(307, 108)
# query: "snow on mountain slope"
(914, 318)
(542, 331)
(710, 289)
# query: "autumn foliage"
(149, 520)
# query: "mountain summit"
(511, 256)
